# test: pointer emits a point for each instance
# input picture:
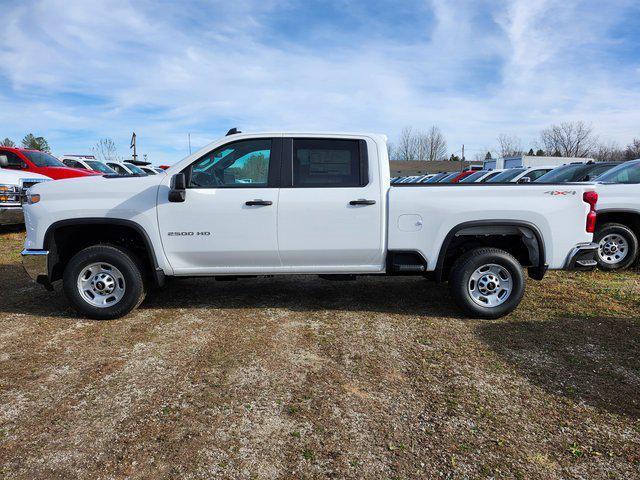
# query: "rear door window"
(321, 162)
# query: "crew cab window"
(536, 174)
(240, 164)
(628, 172)
(73, 164)
(119, 170)
(326, 163)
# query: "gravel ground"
(304, 378)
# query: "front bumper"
(11, 215)
(36, 264)
(582, 257)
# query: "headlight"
(32, 198)
(9, 193)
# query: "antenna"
(133, 145)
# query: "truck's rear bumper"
(11, 216)
(36, 264)
(582, 257)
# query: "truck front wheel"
(103, 282)
(487, 283)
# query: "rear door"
(330, 210)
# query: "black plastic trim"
(537, 272)
(158, 272)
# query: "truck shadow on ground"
(394, 295)
(594, 361)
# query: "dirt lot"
(304, 378)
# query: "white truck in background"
(13, 185)
(300, 203)
(618, 226)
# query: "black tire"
(607, 262)
(134, 291)
(467, 264)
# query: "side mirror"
(524, 180)
(12, 162)
(178, 188)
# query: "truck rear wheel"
(103, 282)
(487, 283)
(617, 246)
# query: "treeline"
(567, 139)
(29, 141)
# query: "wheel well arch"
(65, 238)
(521, 239)
(629, 218)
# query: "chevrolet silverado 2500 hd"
(285, 203)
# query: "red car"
(38, 162)
(461, 175)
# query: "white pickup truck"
(13, 184)
(618, 225)
(300, 203)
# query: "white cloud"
(164, 71)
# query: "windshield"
(628, 172)
(99, 166)
(474, 176)
(565, 173)
(42, 159)
(435, 178)
(449, 177)
(507, 175)
(134, 169)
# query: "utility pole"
(133, 145)
(462, 164)
(189, 143)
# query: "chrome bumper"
(11, 215)
(36, 264)
(582, 257)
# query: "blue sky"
(76, 71)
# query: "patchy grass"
(303, 378)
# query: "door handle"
(255, 203)
(362, 201)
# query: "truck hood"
(14, 177)
(94, 186)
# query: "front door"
(330, 213)
(227, 224)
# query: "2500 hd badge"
(188, 234)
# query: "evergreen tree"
(530, 152)
(35, 143)
(7, 142)
(488, 156)
(540, 153)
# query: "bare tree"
(571, 139)
(407, 145)
(608, 152)
(432, 145)
(391, 151)
(633, 150)
(509, 145)
(106, 150)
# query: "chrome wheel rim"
(101, 285)
(613, 248)
(490, 285)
